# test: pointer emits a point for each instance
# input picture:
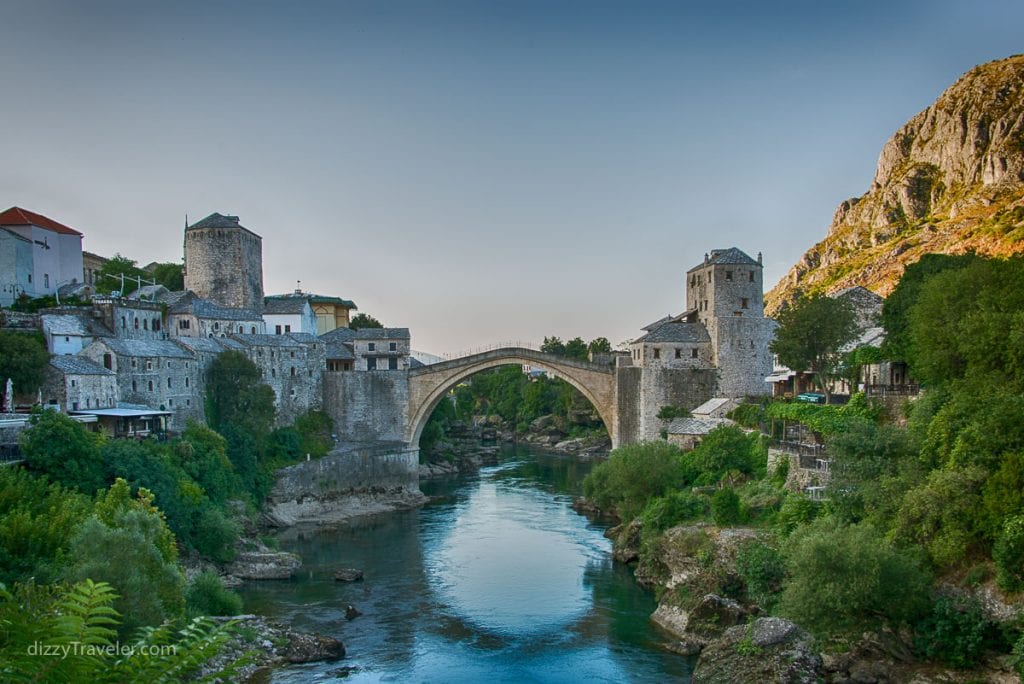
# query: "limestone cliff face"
(950, 180)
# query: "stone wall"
(627, 402)
(341, 482)
(660, 387)
(367, 405)
(743, 357)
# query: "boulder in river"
(769, 649)
(348, 575)
(351, 612)
(264, 564)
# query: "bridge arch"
(429, 384)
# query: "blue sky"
(476, 171)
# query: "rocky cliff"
(950, 180)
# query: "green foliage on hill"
(23, 359)
(108, 278)
(810, 334)
(363, 320)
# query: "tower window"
(728, 275)
(679, 353)
(393, 346)
(751, 276)
(371, 346)
(693, 353)
(657, 353)
(744, 303)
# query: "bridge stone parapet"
(429, 384)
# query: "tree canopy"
(236, 395)
(812, 332)
(364, 320)
(23, 359)
(108, 278)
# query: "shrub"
(954, 632)
(1008, 555)
(725, 449)
(725, 507)
(796, 511)
(634, 474)
(672, 509)
(850, 579)
(762, 567)
(207, 595)
(215, 535)
(63, 449)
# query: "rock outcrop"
(767, 650)
(949, 181)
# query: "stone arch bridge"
(429, 384)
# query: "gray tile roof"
(731, 255)
(382, 334)
(692, 333)
(78, 365)
(340, 351)
(65, 324)
(655, 324)
(339, 335)
(204, 308)
(216, 220)
(285, 305)
(313, 298)
(209, 345)
(270, 340)
(695, 426)
(164, 348)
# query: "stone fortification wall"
(660, 387)
(345, 483)
(367, 405)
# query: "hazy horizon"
(476, 172)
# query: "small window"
(124, 323)
(657, 353)
(149, 365)
(241, 329)
(134, 363)
(108, 361)
(67, 339)
(170, 402)
(293, 371)
(74, 405)
(253, 330)
(273, 372)
(371, 346)
(693, 353)
(135, 323)
(679, 353)
(46, 280)
(371, 364)
(156, 324)
(293, 354)
(751, 276)
(728, 275)
(287, 329)
(392, 363)
(744, 303)
(150, 385)
(277, 330)
(145, 324)
(74, 383)
(393, 346)
(188, 402)
(186, 381)
(135, 387)
(168, 383)
(216, 325)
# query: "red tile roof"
(16, 216)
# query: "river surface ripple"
(497, 581)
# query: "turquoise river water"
(498, 580)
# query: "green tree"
(146, 574)
(810, 335)
(725, 507)
(109, 277)
(207, 595)
(635, 474)
(553, 345)
(897, 306)
(202, 454)
(64, 450)
(576, 348)
(316, 430)
(364, 321)
(23, 359)
(727, 450)
(599, 345)
(170, 275)
(847, 580)
(236, 395)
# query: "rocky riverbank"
(705, 614)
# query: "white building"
(56, 251)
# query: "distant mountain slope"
(950, 180)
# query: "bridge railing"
(491, 347)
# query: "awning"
(124, 413)
(779, 377)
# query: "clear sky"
(476, 171)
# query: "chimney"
(760, 261)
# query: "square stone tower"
(726, 294)
(224, 262)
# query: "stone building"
(159, 374)
(329, 312)
(192, 316)
(339, 348)
(293, 366)
(718, 347)
(286, 315)
(91, 265)
(224, 262)
(130, 319)
(73, 383)
(69, 331)
(381, 349)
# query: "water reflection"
(499, 581)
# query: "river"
(499, 580)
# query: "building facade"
(56, 250)
(224, 262)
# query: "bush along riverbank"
(759, 583)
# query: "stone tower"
(224, 262)
(726, 294)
